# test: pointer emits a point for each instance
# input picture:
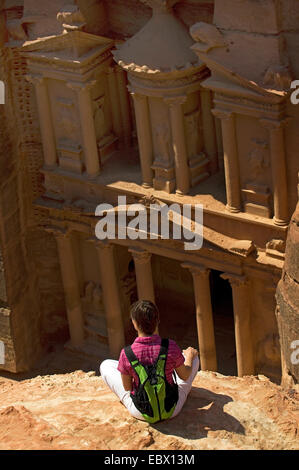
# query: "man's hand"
(185, 370)
(190, 354)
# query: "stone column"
(204, 316)
(209, 131)
(279, 172)
(45, 119)
(86, 110)
(71, 288)
(182, 170)
(242, 314)
(219, 143)
(125, 109)
(144, 276)
(144, 133)
(231, 161)
(111, 297)
(115, 105)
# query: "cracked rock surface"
(77, 411)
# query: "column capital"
(136, 96)
(36, 79)
(118, 68)
(81, 86)
(173, 101)
(100, 244)
(222, 114)
(197, 269)
(235, 280)
(274, 125)
(140, 256)
(205, 90)
(58, 232)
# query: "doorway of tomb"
(175, 300)
(223, 314)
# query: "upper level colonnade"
(163, 114)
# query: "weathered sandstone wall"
(288, 306)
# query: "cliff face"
(77, 411)
(288, 306)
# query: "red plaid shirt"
(147, 350)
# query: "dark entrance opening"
(223, 314)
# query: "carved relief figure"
(71, 18)
(163, 141)
(192, 131)
(67, 120)
(93, 299)
(94, 311)
(99, 117)
(258, 160)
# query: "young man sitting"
(123, 380)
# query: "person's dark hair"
(146, 315)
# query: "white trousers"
(112, 378)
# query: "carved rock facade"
(164, 102)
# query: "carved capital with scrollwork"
(197, 270)
(236, 280)
(140, 256)
(174, 101)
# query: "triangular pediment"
(228, 81)
(75, 45)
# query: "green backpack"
(154, 398)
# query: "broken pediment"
(207, 37)
(225, 79)
(256, 61)
(73, 46)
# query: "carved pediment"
(75, 45)
(230, 83)
(228, 54)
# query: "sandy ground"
(77, 411)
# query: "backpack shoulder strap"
(163, 350)
(131, 357)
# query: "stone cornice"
(173, 84)
(87, 50)
(231, 83)
(250, 106)
(187, 69)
